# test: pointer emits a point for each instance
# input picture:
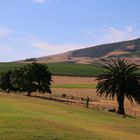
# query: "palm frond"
(120, 77)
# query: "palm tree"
(121, 80)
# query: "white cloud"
(46, 48)
(4, 32)
(113, 34)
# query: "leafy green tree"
(120, 79)
(5, 81)
(34, 77)
(17, 79)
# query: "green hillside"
(62, 69)
(9, 66)
(75, 69)
(30, 118)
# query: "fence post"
(130, 112)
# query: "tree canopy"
(120, 79)
(34, 77)
(5, 81)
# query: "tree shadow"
(132, 117)
(54, 99)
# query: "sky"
(35, 28)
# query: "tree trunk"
(120, 100)
(8, 90)
(29, 93)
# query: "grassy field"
(61, 69)
(30, 118)
(75, 69)
(9, 66)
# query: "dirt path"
(73, 80)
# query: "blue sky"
(33, 28)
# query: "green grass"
(75, 69)
(83, 86)
(62, 69)
(66, 69)
(28, 118)
(10, 66)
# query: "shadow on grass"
(132, 117)
(75, 102)
(57, 99)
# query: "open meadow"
(69, 70)
(30, 118)
(81, 87)
(62, 115)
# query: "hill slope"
(113, 49)
(97, 54)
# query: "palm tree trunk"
(120, 100)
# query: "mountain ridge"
(129, 49)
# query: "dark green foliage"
(5, 81)
(30, 78)
(17, 79)
(121, 79)
(30, 60)
(37, 78)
